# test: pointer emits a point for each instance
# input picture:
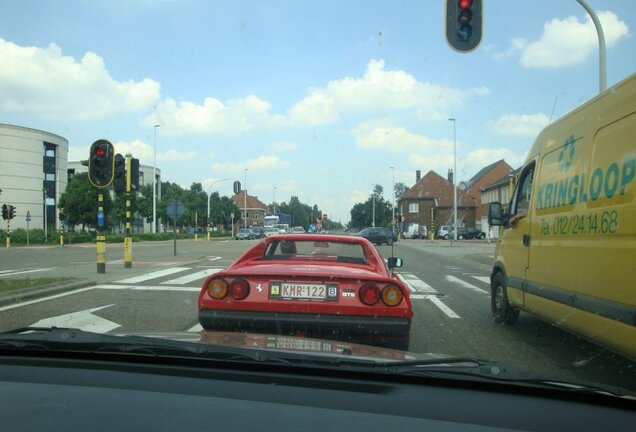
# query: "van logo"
(567, 154)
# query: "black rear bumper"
(387, 332)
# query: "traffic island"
(19, 290)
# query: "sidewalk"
(479, 251)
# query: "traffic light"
(101, 164)
(5, 211)
(119, 181)
(134, 174)
(464, 24)
(62, 217)
(11, 211)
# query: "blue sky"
(315, 99)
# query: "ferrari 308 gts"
(327, 286)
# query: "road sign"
(232, 215)
(28, 217)
(175, 209)
(100, 218)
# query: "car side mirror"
(495, 214)
(393, 262)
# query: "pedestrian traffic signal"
(101, 164)
(5, 211)
(119, 180)
(463, 24)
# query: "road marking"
(196, 328)
(17, 272)
(465, 284)
(26, 303)
(192, 277)
(484, 279)
(417, 285)
(153, 275)
(214, 258)
(83, 320)
(148, 288)
(437, 302)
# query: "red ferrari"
(327, 286)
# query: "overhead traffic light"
(464, 24)
(101, 164)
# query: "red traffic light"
(100, 152)
(465, 4)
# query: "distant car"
(298, 230)
(258, 232)
(244, 234)
(269, 231)
(416, 232)
(378, 235)
(470, 233)
(300, 284)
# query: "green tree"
(399, 189)
(144, 203)
(362, 213)
(79, 203)
(221, 209)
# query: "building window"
(49, 177)
(414, 207)
(49, 152)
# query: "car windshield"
(463, 180)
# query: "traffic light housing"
(464, 20)
(5, 211)
(134, 174)
(11, 211)
(101, 164)
(119, 180)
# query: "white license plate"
(303, 291)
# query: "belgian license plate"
(303, 291)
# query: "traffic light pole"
(101, 238)
(8, 233)
(128, 238)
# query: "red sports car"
(327, 286)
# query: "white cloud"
(521, 125)
(284, 146)
(378, 90)
(566, 42)
(262, 163)
(46, 82)
(380, 135)
(213, 116)
(479, 158)
(140, 150)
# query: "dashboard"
(110, 393)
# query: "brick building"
(430, 202)
(483, 178)
(255, 209)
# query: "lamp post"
(373, 195)
(274, 199)
(245, 199)
(154, 186)
(454, 181)
(209, 196)
(393, 200)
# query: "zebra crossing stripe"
(484, 279)
(465, 284)
(192, 277)
(441, 306)
(152, 275)
(416, 285)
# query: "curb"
(31, 293)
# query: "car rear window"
(316, 251)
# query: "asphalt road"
(449, 288)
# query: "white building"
(33, 175)
(145, 177)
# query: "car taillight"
(392, 295)
(239, 289)
(218, 288)
(369, 294)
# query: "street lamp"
(274, 199)
(154, 186)
(393, 200)
(454, 180)
(373, 195)
(209, 196)
(245, 200)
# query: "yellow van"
(567, 253)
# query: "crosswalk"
(189, 279)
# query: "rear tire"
(502, 311)
(389, 241)
(446, 236)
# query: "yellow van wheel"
(502, 312)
